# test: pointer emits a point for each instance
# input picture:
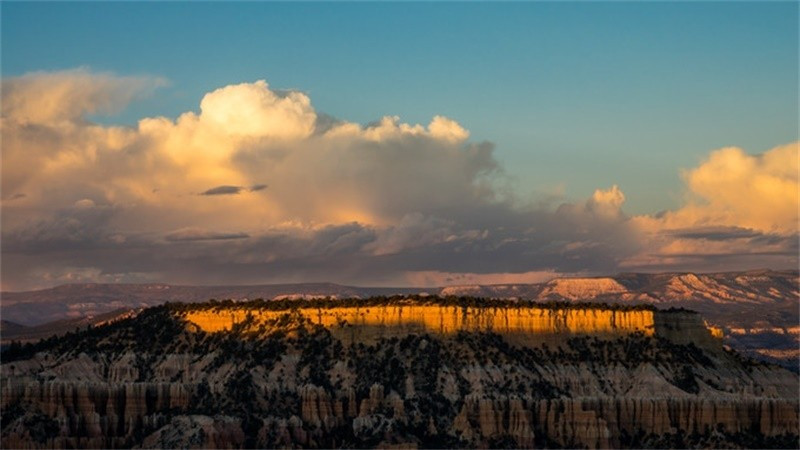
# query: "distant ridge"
(8, 327)
(71, 301)
(78, 300)
(757, 309)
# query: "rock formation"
(756, 312)
(394, 372)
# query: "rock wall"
(523, 323)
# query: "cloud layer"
(260, 187)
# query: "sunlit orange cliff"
(519, 323)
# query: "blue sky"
(574, 95)
(635, 136)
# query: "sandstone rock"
(442, 391)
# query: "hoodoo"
(379, 372)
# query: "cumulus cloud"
(735, 189)
(444, 128)
(254, 110)
(44, 126)
(52, 97)
(183, 199)
(608, 202)
(740, 210)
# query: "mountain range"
(758, 311)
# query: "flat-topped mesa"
(523, 323)
(578, 288)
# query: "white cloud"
(608, 202)
(346, 202)
(734, 189)
(253, 110)
(751, 191)
(740, 209)
(52, 97)
(450, 130)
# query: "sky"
(395, 143)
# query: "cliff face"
(374, 322)
(421, 375)
(524, 325)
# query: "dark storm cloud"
(789, 242)
(82, 226)
(223, 190)
(202, 235)
(233, 190)
(361, 254)
(714, 233)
